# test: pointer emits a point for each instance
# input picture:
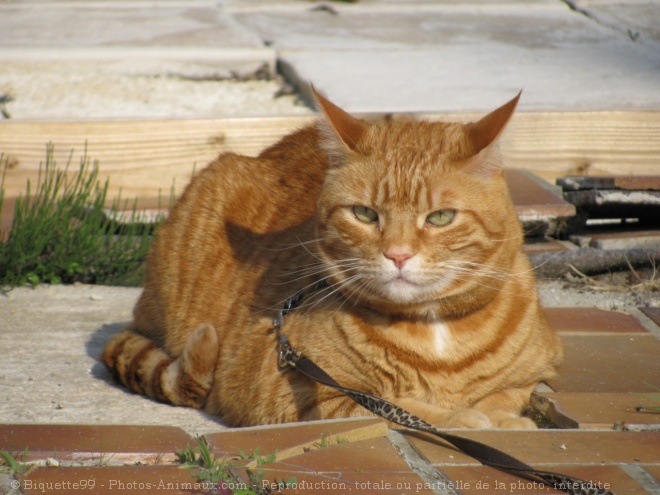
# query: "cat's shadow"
(95, 345)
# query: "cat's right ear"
(341, 131)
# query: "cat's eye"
(441, 217)
(364, 214)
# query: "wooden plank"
(143, 158)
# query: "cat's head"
(414, 213)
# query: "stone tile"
(592, 320)
(127, 480)
(593, 411)
(653, 314)
(482, 480)
(548, 447)
(83, 442)
(608, 363)
(294, 439)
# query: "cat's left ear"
(484, 133)
(341, 131)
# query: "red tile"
(65, 441)
(608, 363)
(533, 198)
(295, 438)
(592, 320)
(549, 446)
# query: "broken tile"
(591, 321)
(479, 480)
(608, 363)
(538, 204)
(127, 480)
(593, 411)
(91, 441)
(294, 439)
(548, 447)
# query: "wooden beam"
(145, 158)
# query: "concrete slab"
(109, 59)
(637, 19)
(90, 60)
(467, 56)
(50, 340)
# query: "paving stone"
(482, 480)
(93, 442)
(294, 439)
(602, 410)
(128, 480)
(455, 45)
(592, 321)
(608, 363)
(548, 447)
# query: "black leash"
(489, 456)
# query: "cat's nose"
(398, 256)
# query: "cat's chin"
(405, 292)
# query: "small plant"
(654, 397)
(9, 465)
(61, 233)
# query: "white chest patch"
(441, 336)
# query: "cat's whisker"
(299, 243)
(331, 290)
(312, 269)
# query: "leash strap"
(489, 456)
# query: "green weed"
(221, 472)
(60, 232)
(9, 464)
(653, 397)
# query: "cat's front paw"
(467, 418)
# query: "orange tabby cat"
(430, 304)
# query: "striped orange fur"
(430, 304)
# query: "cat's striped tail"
(144, 367)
